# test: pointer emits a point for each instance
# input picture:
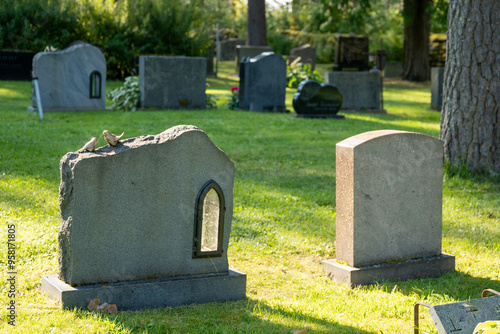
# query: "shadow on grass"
(245, 316)
(456, 285)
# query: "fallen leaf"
(94, 304)
(111, 308)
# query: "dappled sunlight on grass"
(4, 93)
(284, 214)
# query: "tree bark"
(416, 43)
(471, 92)
(256, 23)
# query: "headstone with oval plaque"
(315, 100)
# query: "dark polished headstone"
(351, 53)
(16, 65)
(317, 100)
(263, 83)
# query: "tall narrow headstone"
(146, 224)
(389, 208)
(263, 83)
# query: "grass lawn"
(283, 225)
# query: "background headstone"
(65, 78)
(437, 75)
(360, 90)
(263, 83)
(228, 48)
(16, 65)
(128, 214)
(317, 100)
(351, 53)
(248, 51)
(306, 53)
(389, 207)
(172, 82)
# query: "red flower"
(235, 89)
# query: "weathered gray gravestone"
(360, 90)
(263, 83)
(172, 82)
(437, 75)
(146, 224)
(71, 79)
(317, 100)
(389, 208)
(306, 53)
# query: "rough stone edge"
(426, 267)
(136, 295)
(71, 159)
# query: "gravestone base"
(35, 110)
(154, 293)
(426, 267)
(320, 116)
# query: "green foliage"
(211, 100)
(297, 72)
(126, 97)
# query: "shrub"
(126, 97)
(297, 72)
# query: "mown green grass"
(283, 225)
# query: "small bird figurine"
(89, 146)
(110, 138)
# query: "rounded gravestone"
(317, 100)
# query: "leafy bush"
(211, 100)
(126, 97)
(297, 72)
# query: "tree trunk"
(256, 23)
(416, 44)
(471, 93)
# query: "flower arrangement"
(234, 98)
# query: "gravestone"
(15, 65)
(351, 53)
(389, 208)
(172, 82)
(228, 48)
(249, 51)
(437, 76)
(360, 90)
(393, 69)
(306, 53)
(263, 83)
(146, 224)
(317, 100)
(462, 317)
(71, 79)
